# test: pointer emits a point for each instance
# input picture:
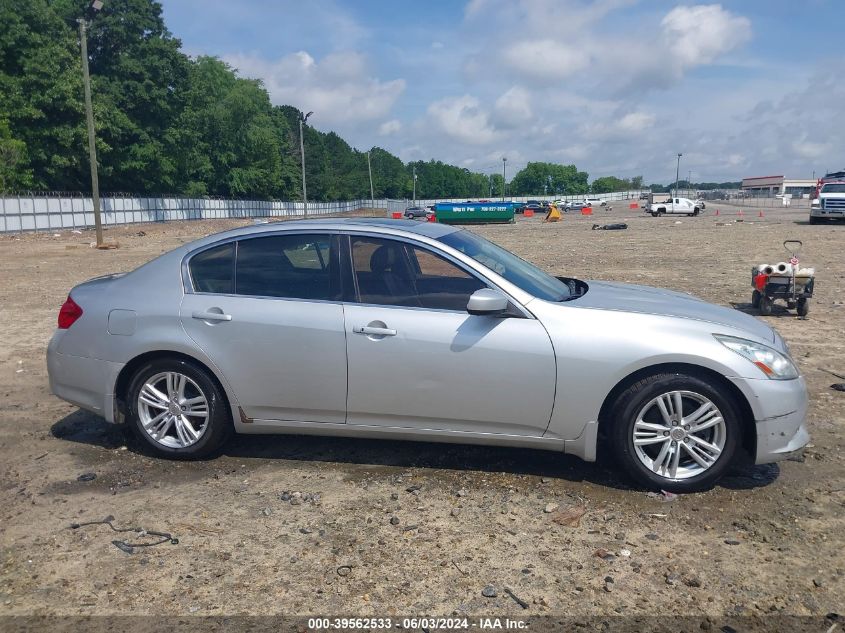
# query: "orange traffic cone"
(760, 215)
(717, 211)
(740, 212)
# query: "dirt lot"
(768, 540)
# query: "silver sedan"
(420, 331)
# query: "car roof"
(428, 229)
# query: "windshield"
(838, 187)
(517, 271)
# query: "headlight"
(770, 361)
(816, 204)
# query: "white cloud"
(575, 47)
(389, 127)
(338, 88)
(545, 59)
(463, 119)
(635, 122)
(697, 35)
(810, 149)
(513, 108)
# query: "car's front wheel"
(176, 409)
(675, 432)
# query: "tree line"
(169, 123)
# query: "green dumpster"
(474, 212)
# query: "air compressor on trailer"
(786, 281)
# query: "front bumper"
(780, 410)
(85, 382)
(828, 213)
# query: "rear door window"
(288, 266)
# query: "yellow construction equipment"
(553, 215)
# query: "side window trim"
(188, 286)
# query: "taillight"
(69, 313)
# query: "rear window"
(213, 270)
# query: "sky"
(617, 87)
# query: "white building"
(770, 186)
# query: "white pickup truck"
(683, 206)
(829, 203)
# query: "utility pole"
(303, 118)
(415, 185)
(370, 170)
(504, 176)
(490, 180)
(677, 175)
(92, 140)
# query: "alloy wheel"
(679, 434)
(173, 410)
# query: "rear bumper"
(85, 382)
(780, 411)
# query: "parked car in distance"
(594, 202)
(409, 330)
(536, 207)
(682, 206)
(416, 212)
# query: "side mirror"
(487, 302)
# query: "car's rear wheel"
(755, 298)
(176, 409)
(765, 306)
(675, 432)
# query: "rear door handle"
(212, 316)
(373, 331)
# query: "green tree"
(227, 140)
(551, 178)
(41, 93)
(137, 78)
(13, 174)
(609, 184)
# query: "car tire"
(716, 445)
(755, 298)
(654, 214)
(815, 220)
(188, 435)
(695, 212)
(803, 307)
(765, 305)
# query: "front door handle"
(212, 316)
(373, 331)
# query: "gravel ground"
(304, 525)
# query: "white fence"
(51, 213)
(55, 212)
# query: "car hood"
(605, 295)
